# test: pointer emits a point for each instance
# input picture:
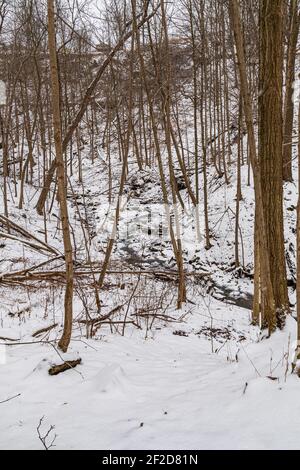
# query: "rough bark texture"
(270, 144)
(263, 267)
(55, 370)
(61, 180)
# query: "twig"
(3, 338)
(128, 306)
(25, 343)
(44, 330)
(11, 398)
(92, 321)
(251, 362)
(44, 438)
(245, 388)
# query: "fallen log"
(23, 272)
(58, 369)
(92, 321)
(22, 231)
(46, 275)
(25, 242)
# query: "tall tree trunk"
(61, 179)
(270, 145)
(268, 305)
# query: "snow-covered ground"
(168, 391)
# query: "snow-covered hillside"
(151, 376)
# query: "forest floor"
(151, 377)
(169, 391)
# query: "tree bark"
(268, 305)
(270, 145)
(61, 179)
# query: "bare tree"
(61, 178)
(265, 286)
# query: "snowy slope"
(166, 392)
